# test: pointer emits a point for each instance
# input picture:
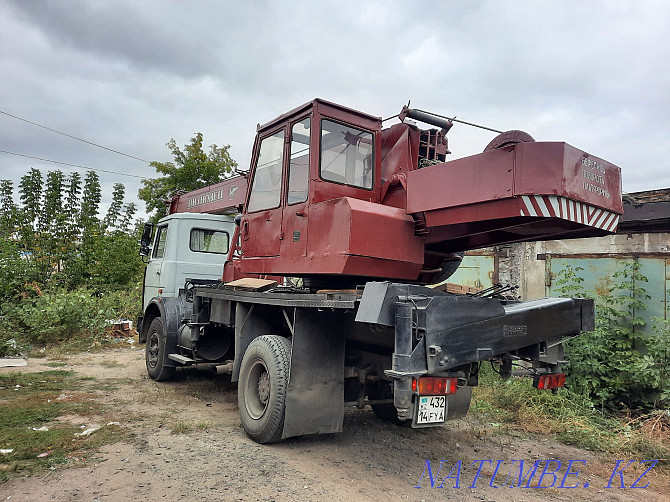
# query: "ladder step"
(181, 359)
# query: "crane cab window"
(266, 187)
(346, 155)
(298, 173)
(208, 241)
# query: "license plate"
(431, 409)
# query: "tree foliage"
(192, 168)
(55, 236)
(63, 269)
(615, 366)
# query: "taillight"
(553, 381)
(432, 386)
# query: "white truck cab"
(186, 246)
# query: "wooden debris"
(248, 284)
(457, 288)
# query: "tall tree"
(52, 204)
(89, 225)
(51, 221)
(115, 208)
(129, 211)
(90, 201)
(12, 267)
(71, 206)
(8, 209)
(30, 193)
(192, 168)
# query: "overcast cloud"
(131, 75)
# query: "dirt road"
(187, 443)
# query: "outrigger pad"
(315, 396)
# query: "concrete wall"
(534, 281)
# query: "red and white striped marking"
(559, 207)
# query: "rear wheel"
(385, 411)
(261, 389)
(155, 352)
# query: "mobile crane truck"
(366, 218)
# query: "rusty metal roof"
(647, 211)
(659, 195)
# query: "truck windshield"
(346, 154)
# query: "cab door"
(261, 226)
(152, 273)
(294, 218)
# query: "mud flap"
(315, 397)
(458, 404)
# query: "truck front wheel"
(155, 352)
(261, 390)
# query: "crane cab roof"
(320, 105)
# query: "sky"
(131, 75)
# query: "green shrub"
(615, 366)
(569, 415)
(58, 315)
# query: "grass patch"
(185, 428)
(517, 404)
(203, 426)
(111, 364)
(181, 428)
(34, 400)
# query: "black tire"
(386, 411)
(448, 267)
(155, 352)
(261, 389)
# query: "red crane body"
(331, 193)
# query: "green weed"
(568, 415)
(33, 400)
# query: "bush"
(59, 315)
(615, 366)
(515, 403)
(15, 271)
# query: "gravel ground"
(187, 444)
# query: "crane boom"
(226, 197)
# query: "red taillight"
(432, 386)
(553, 381)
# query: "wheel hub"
(264, 388)
(257, 389)
(152, 349)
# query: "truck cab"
(186, 246)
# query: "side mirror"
(238, 219)
(145, 240)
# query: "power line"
(73, 165)
(73, 137)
